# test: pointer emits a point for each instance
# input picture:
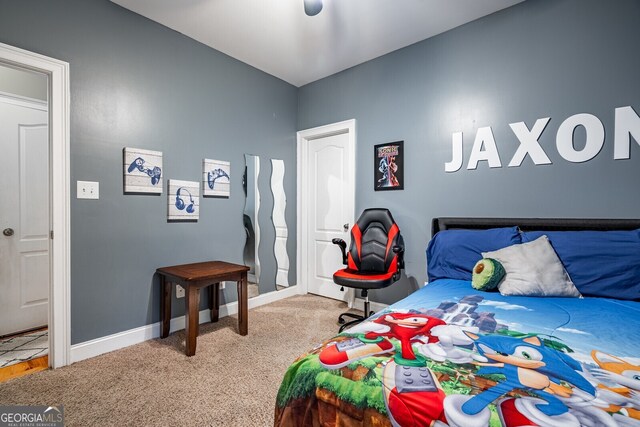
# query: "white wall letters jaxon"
(627, 126)
(456, 163)
(484, 138)
(594, 142)
(529, 143)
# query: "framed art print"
(216, 178)
(388, 166)
(142, 171)
(183, 200)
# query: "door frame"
(59, 105)
(304, 140)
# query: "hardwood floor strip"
(24, 368)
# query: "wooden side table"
(193, 277)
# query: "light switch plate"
(88, 190)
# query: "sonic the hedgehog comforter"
(449, 355)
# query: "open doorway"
(34, 216)
(25, 217)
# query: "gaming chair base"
(357, 318)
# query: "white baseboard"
(98, 346)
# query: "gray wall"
(136, 83)
(541, 58)
(23, 83)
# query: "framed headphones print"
(183, 200)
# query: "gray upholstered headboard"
(529, 224)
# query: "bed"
(452, 355)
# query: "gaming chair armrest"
(399, 249)
(343, 248)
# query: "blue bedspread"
(584, 324)
(449, 355)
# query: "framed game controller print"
(142, 171)
(183, 200)
(216, 178)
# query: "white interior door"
(24, 215)
(330, 198)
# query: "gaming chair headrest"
(380, 215)
(372, 238)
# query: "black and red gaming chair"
(375, 258)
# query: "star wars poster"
(389, 166)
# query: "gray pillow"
(533, 269)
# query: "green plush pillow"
(487, 273)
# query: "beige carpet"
(231, 380)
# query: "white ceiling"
(277, 37)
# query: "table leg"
(191, 313)
(243, 306)
(214, 301)
(165, 305)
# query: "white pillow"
(533, 269)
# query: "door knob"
(8, 232)
(346, 227)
